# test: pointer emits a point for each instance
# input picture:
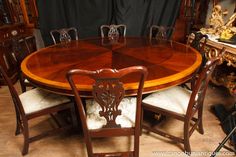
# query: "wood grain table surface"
(169, 63)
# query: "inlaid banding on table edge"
(167, 66)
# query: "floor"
(70, 144)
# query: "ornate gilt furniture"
(182, 104)
(224, 74)
(109, 114)
(169, 63)
(32, 104)
(113, 31)
(64, 35)
(161, 32)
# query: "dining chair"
(161, 32)
(181, 104)
(64, 35)
(35, 103)
(113, 31)
(19, 53)
(197, 40)
(109, 113)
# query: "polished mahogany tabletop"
(169, 63)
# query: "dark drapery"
(88, 15)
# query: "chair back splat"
(25, 46)
(64, 35)
(161, 32)
(198, 95)
(182, 104)
(201, 83)
(110, 113)
(198, 41)
(113, 31)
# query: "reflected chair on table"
(64, 35)
(113, 31)
(109, 114)
(182, 104)
(35, 103)
(161, 32)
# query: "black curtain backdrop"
(88, 15)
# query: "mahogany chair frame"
(113, 30)
(62, 31)
(195, 40)
(30, 43)
(161, 32)
(195, 106)
(25, 47)
(22, 118)
(108, 81)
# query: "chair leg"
(18, 123)
(141, 122)
(17, 127)
(73, 117)
(200, 125)
(26, 138)
(23, 87)
(187, 147)
(136, 145)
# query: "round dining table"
(169, 63)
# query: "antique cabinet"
(16, 22)
(10, 35)
(192, 17)
(224, 74)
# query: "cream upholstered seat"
(37, 99)
(126, 119)
(26, 81)
(181, 104)
(35, 103)
(174, 99)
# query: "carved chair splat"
(64, 35)
(161, 32)
(113, 31)
(109, 113)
